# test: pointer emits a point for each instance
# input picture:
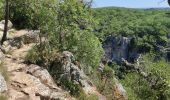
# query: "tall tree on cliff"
(4, 37)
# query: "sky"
(131, 3)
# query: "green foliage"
(89, 50)
(72, 32)
(150, 27)
(107, 72)
(1, 9)
(155, 86)
(137, 88)
(74, 89)
(31, 13)
(104, 81)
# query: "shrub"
(90, 50)
(153, 87)
(31, 13)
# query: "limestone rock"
(43, 75)
(32, 86)
(117, 48)
(2, 23)
(66, 69)
(3, 85)
(31, 37)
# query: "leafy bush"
(104, 81)
(153, 87)
(89, 50)
(74, 89)
(31, 13)
(72, 32)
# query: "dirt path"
(23, 85)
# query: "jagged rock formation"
(64, 68)
(116, 48)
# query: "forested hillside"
(149, 31)
(66, 50)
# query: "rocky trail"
(32, 82)
(29, 82)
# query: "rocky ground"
(28, 82)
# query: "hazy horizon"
(130, 3)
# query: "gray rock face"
(66, 69)
(2, 23)
(117, 48)
(3, 85)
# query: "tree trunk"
(4, 37)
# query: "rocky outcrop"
(3, 84)
(2, 23)
(73, 73)
(32, 82)
(31, 37)
(117, 48)
(65, 69)
(42, 74)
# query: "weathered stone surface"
(119, 91)
(31, 37)
(43, 75)
(3, 85)
(67, 70)
(32, 86)
(2, 23)
(117, 48)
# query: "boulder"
(42, 74)
(31, 37)
(3, 85)
(2, 23)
